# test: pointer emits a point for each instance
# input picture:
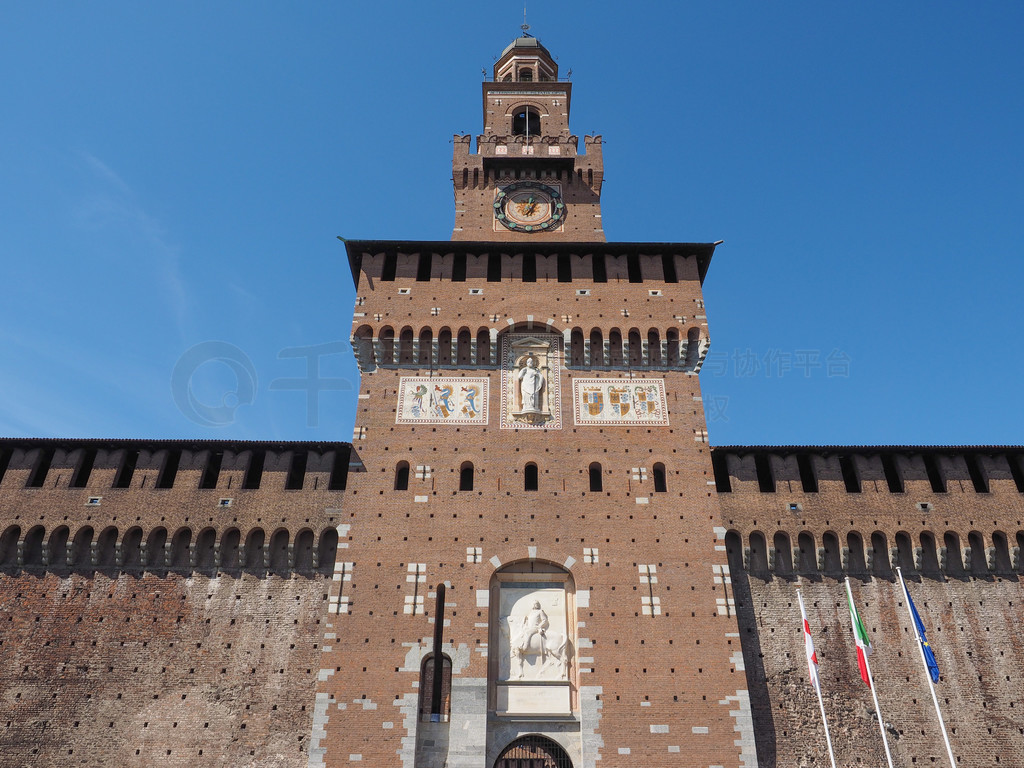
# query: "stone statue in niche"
(534, 647)
(530, 387)
(530, 363)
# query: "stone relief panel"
(620, 402)
(441, 400)
(531, 367)
(533, 642)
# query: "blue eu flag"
(929, 657)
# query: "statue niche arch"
(533, 618)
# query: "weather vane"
(525, 27)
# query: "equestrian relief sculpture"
(535, 647)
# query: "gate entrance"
(533, 752)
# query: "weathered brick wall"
(973, 627)
(952, 519)
(161, 622)
(143, 670)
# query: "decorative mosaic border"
(554, 380)
(619, 402)
(442, 400)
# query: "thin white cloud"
(115, 204)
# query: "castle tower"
(531, 563)
(527, 179)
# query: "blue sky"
(175, 174)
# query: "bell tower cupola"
(525, 60)
(527, 179)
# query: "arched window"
(525, 75)
(734, 551)
(33, 549)
(672, 337)
(979, 564)
(463, 347)
(304, 551)
(660, 480)
(106, 548)
(952, 558)
(654, 347)
(444, 347)
(180, 555)
(615, 348)
(327, 552)
(783, 555)
(426, 345)
(155, 553)
(526, 122)
(636, 349)
(131, 549)
(81, 548)
(405, 347)
(929, 558)
(254, 549)
(692, 347)
(279, 551)
(466, 476)
(204, 548)
(596, 480)
(808, 554)
(905, 553)
(880, 565)
(576, 347)
(402, 476)
(387, 346)
(855, 563)
(483, 347)
(230, 543)
(758, 555)
(9, 545)
(1001, 551)
(429, 713)
(530, 477)
(57, 546)
(833, 561)
(596, 348)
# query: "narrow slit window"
(530, 477)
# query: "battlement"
(907, 470)
(181, 505)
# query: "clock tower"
(532, 565)
(527, 178)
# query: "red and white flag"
(812, 657)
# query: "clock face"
(529, 206)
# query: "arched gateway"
(533, 752)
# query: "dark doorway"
(533, 752)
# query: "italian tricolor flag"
(861, 636)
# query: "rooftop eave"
(356, 248)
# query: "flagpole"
(816, 684)
(828, 737)
(874, 693)
(931, 685)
